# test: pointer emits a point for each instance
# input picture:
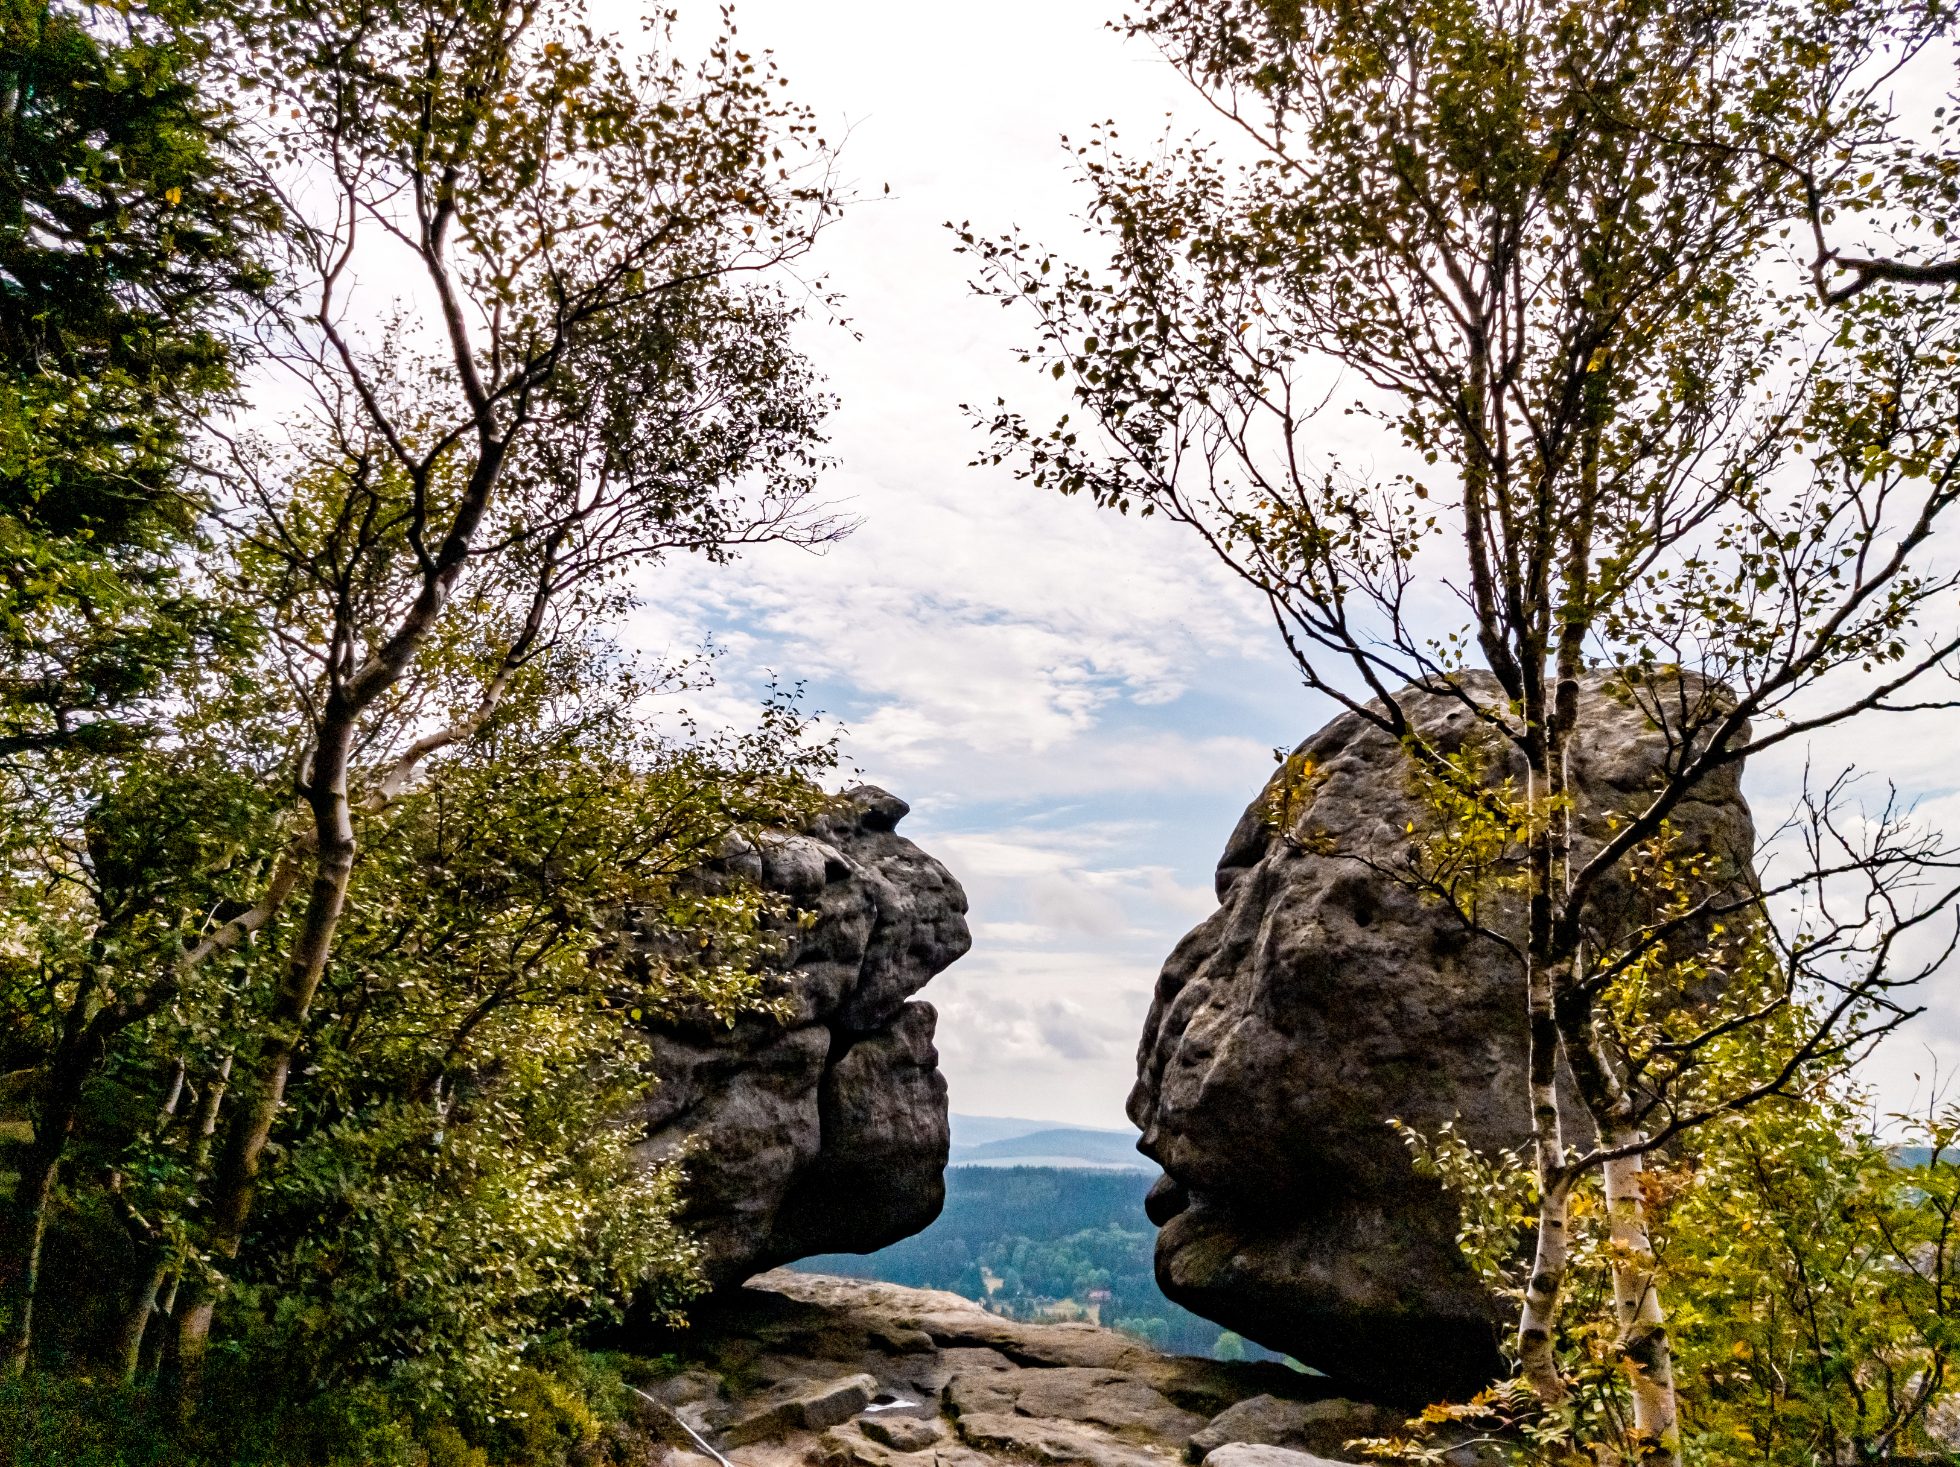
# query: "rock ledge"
(937, 1381)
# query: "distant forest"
(1044, 1242)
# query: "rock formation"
(1324, 998)
(859, 1374)
(825, 1130)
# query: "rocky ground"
(803, 1368)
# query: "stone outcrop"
(825, 1129)
(938, 1381)
(1239, 1454)
(1303, 1426)
(1324, 998)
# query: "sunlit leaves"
(1549, 250)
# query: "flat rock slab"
(1123, 1404)
(851, 1446)
(1305, 1426)
(1031, 1438)
(1247, 1454)
(859, 1374)
(903, 1433)
(800, 1406)
(808, 1306)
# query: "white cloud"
(1077, 706)
(1042, 1032)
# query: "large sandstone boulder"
(1324, 998)
(824, 1130)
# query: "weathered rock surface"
(951, 1384)
(825, 1131)
(1246, 1455)
(799, 1405)
(1306, 1426)
(1324, 998)
(903, 1433)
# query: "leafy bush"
(60, 1421)
(1814, 1269)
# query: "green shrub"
(541, 1421)
(448, 1447)
(51, 1421)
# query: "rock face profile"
(824, 1131)
(1323, 999)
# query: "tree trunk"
(1644, 1343)
(1538, 1321)
(238, 1166)
(61, 1103)
(136, 1322)
(1537, 1362)
(333, 865)
(31, 1204)
(159, 1345)
(145, 1306)
(85, 1034)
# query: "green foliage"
(543, 1419)
(455, 1178)
(569, 1409)
(1496, 1198)
(322, 1009)
(54, 1421)
(1818, 1281)
(1544, 260)
(1812, 1276)
(127, 245)
(1547, 258)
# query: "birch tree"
(1550, 265)
(534, 330)
(598, 385)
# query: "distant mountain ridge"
(1001, 1141)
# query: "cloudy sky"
(1076, 706)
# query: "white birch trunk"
(1537, 1360)
(1636, 1298)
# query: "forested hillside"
(1047, 1242)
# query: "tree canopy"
(1555, 261)
(321, 1016)
(129, 246)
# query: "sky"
(1077, 706)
